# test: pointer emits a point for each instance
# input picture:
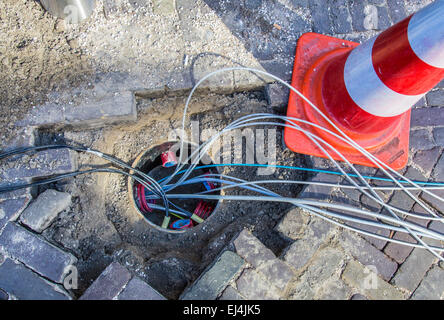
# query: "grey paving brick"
(426, 159)
(24, 284)
(277, 272)
(413, 270)
(109, 284)
(368, 255)
(435, 203)
(213, 281)
(42, 164)
(320, 17)
(276, 95)
(340, 16)
(421, 103)
(41, 212)
(335, 290)
(357, 12)
(254, 287)
(293, 224)
(438, 134)
(20, 193)
(432, 286)
(435, 98)
(399, 252)
(35, 252)
(24, 137)
(10, 209)
(425, 117)
(301, 251)
(317, 192)
(383, 18)
(357, 276)
(438, 171)
(252, 250)
(230, 294)
(136, 289)
(397, 10)
(421, 139)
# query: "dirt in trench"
(101, 225)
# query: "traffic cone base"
(315, 53)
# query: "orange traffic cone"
(367, 90)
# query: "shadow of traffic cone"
(367, 90)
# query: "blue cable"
(304, 169)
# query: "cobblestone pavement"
(322, 261)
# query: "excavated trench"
(105, 223)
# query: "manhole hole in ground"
(151, 163)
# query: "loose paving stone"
(20, 193)
(276, 272)
(10, 209)
(42, 211)
(137, 289)
(109, 284)
(368, 255)
(42, 164)
(276, 95)
(432, 286)
(36, 253)
(369, 283)
(211, 283)
(253, 287)
(230, 294)
(24, 284)
(413, 270)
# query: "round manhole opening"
(160, 162)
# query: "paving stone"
(20, 193)
(435, 203)
(435, 98)
(317, 192)
(137, 289)
(109, 284)
(253, 287)
(230, 294)
(10, 210)
(421, 103)
(368, 255)
(335, 290)
(276, 95)
(399, 252)
(43, 164)
(438, 171)
(421, 140)
(397, 10)
(432, 286)
(211, 283)
(426, 159)
(340, 16)
(369, 283)
(23, 137)
(24, 284)
(357, 12)
(426, 117)
(293, 224)
(301, 251)
(383, 18)
(252, 250)
(41, 212)
(36, 253)
(164, 7)
(276, 272)
(438, 134)
(320, 17)
(413, 270)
